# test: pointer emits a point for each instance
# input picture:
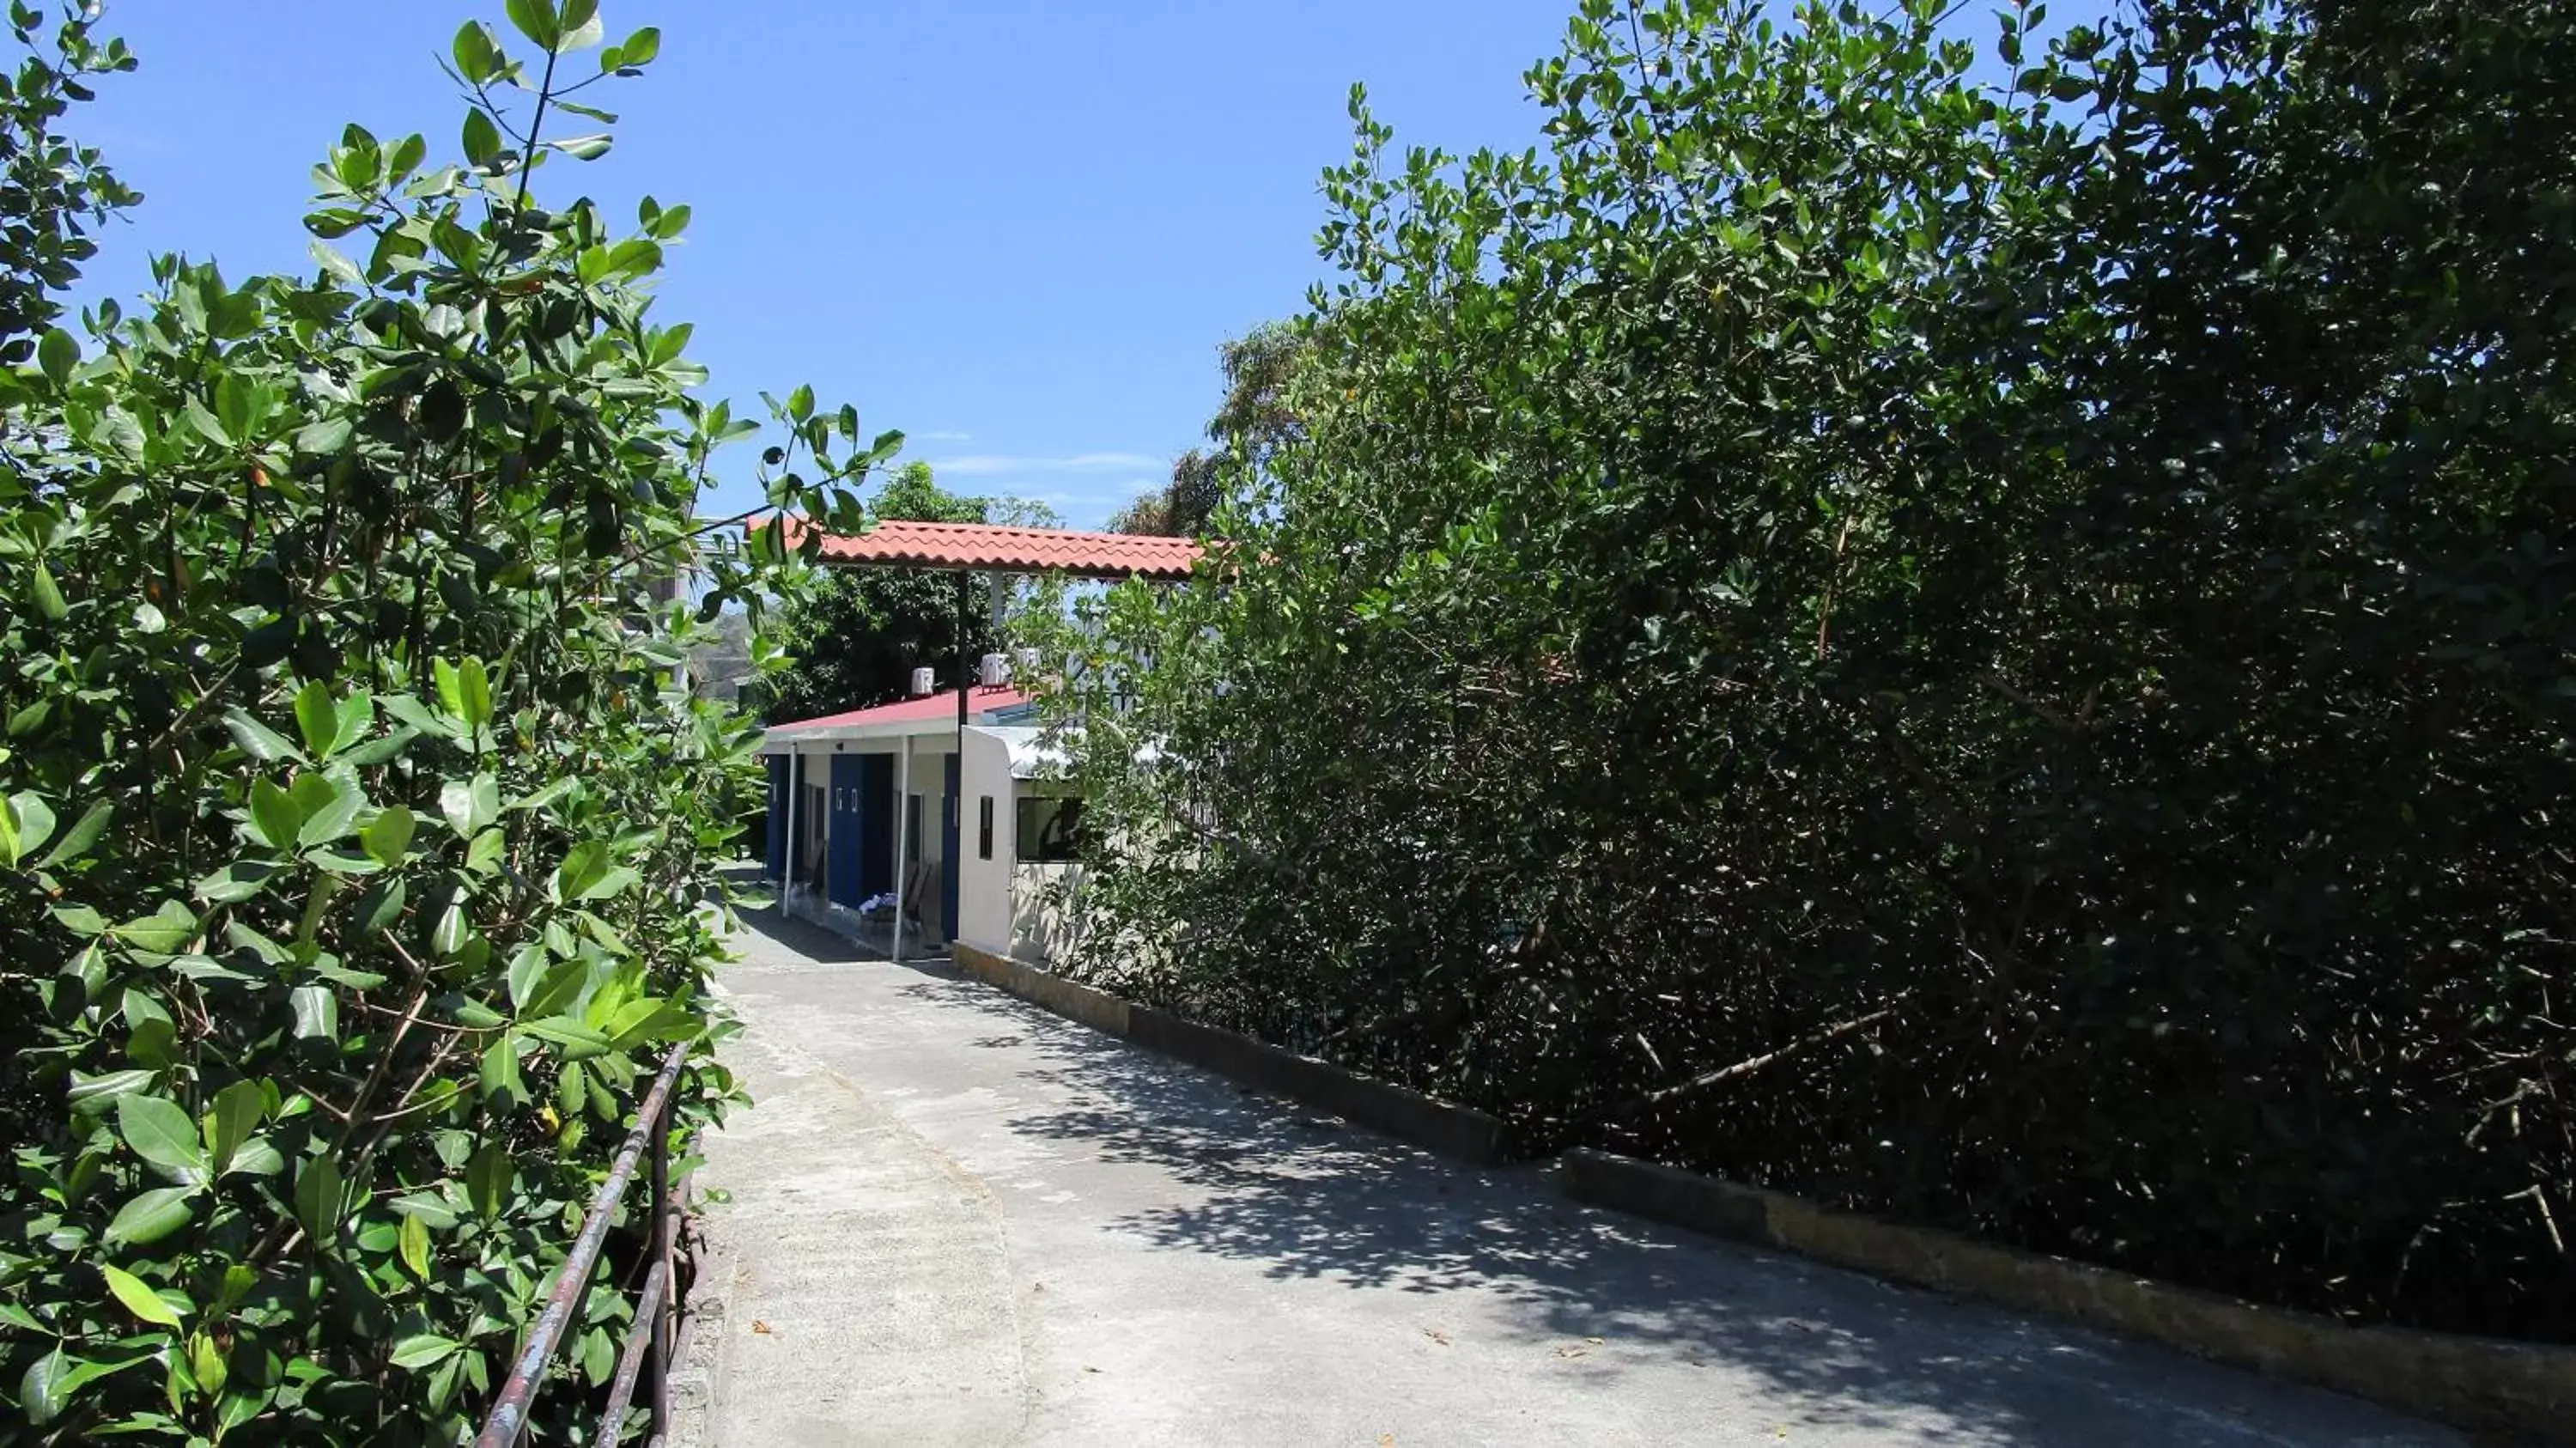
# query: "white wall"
(984, 886)
(1042, 913)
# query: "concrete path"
(954, 1219)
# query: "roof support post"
(795, 846)
(965, 665)
(902, 866)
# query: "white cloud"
(945, 436)
(974, 465)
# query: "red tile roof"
(927, 708)
(901, 543)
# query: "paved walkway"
(954, 1219)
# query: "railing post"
(661, 1239)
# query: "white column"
(902, 815)
(787, 866)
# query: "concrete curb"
(1460, 1132)
(1099, 1010)
(693, 1349)
(2526, 1391)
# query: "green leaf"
(405, 157)
(579, 1041)
(165, 931)
(344, 863)
(30, 820)
(207, 1364)
(418, 715)
(382, 905)
(325, 436)
(448, 936)
(10, 848)
(611, 884)
(415, 1247)
(96, 1093)
(261, 743)
(527, 968)
(474, 688)
(330, 802)
(537, 20)
(379, 751)
(482, 140)
(579, 26)
(357, 715)
(584, 148)
(241, 880)
(500, 1070)
(140, 1299)
(484, 852)
(470, 805)
(318, 1198)
(555, 789)
(159, 1132)
(84, 833)
(478, 55)
(47, 1388)
(258, 1157)
(426, 1349)
(649, 1020)
(584, 866)
(317, 1012)
(151, 1216)
(465, 690)
(47, 595)
(388, 835)
(431, 1207)
(274, 817)
(237, 1113)
(57, 354)
(640, 48)
(488, 1177)
(317, 718)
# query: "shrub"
(1996, 653)
(360, 841)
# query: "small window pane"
(984, 829)
(1050, 830)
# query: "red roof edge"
(1000, 548)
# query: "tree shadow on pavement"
(1301, 1195)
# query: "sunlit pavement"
(955, 1219)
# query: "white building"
(950, 820)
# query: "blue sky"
(1017, 231)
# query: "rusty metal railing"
(646, 1357)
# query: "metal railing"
(647, 1353)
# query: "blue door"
(948, 854)
(876, 844)
(849, 829)
(773, 858)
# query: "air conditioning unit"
(994, 671)
(923, 681)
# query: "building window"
(984, 829)
(1050, 830)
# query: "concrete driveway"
(954, 1219)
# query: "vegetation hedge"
(1978, 630)
(359, 837)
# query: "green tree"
(857, 637)
(1992, 652)
(1249, 428)
(357, 843)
